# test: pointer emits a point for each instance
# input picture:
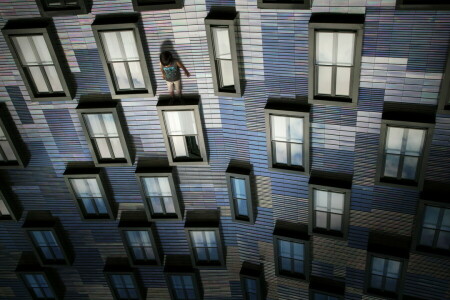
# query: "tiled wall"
(404, 55)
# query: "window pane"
(394, 140)
(376, 281)
(38, 79)
(280, 152)
(53, 78)
(242, 207)
(409, 167)
(284, 248)
(321, 219)
(298, 251)
(296, 130)
(321, 200)
(298, 266)
(221, 42)
(156, 205)
(238, 188)
(42, 49)
(345, 48)
(446, 220)
(431, 216)
(226, 73)
(427, 237)
(197, 238)
(101, 206)
(179, 146)
(3, 209)
(391, 284)
(378, 266)
(415, 139)
(136, 75)
(168, 203)
(391, 165)
(337, 202)
(393, 269)
(117, 148)
(279, 128)
(86, 187)
(112, 46)
(88, 205)
(129, 44)
(296, 154)
(121, 76)
(180, 122)
(94, 123)
(103, 148)
(343, 81)
(324, 47)
(443, 241)
(26, 53)
(210, 238)
(7, 149)
(324, 80)
(335, 222)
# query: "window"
(122, 54)
(384, 275)
(291, 251)
(159, 193)
(251, 281)
(403, 153)
(143, 5)
(124, 287)
(433, 227)
(329, 209)
(287, 139)
(182, 287)
(335, 59)
(9, 209)
(423, 4)
(104, 132)
(202, 229)
(285, 4)
(183, 133)
(181, 278)
(220, 33)
(11, 149)
(444, 93)
(30, 43)
(49, 8)
(240, 196)
(86, 188)
(48, 247)
(38, 286)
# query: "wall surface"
(404, 55)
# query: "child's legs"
(177, 85)
(170, 85)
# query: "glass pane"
(110, 124)
(86, 187)
(298, 266)
(431, 216)
(280, 152)
(128, 281)
(296, 130)
(335, 222)
(337, 202)
(7, 149)
(226, 73)
(376, 281)
(101, 206)
(443, 241)
(50, 238)
(410, 167)
(112, 46)
(324, 47)
(393, 268)
(221, 42)
(298, 251)
(210, 238)
(156, 205)
(39, 238)
(296, 154)
(129, 44)
(89, 205)
(345, 48)
(38, 80)
(117, 148)
(446, 220)
(391, 284)
(238, 188)
(250, 285)
(378, 265)
(391, 165)
(26, 53)
(321, 200)
(197, 238)
(321, 219)
(286, 264)
(427, 237)
(3, 209)
(121, 76)
(136, 75)
(343, 81)
(42, 49)
(168, 203)
(213, 255)
(179, 147)
(103, 148)
(415, 139)
(242, 207)
(180, 122)
(324, 79)
(394, 140)
(284, 248)
(95, 125)
(279, 128)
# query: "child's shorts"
(174, 84)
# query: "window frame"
(57, 234)
(417, 229)
(159, 172)
(421, 166)
(14, 209)
(141, 225)
(317, 25)
(108, 108)
(140, 290)
(345, 216)
(56, 289)
(118, 22)
(82, 4)
(9, 128)
(149, 7)
(38, 26)
(181, 265)
(401, 278)
(401, 6)
(254, 272)
(224, 18)
(279, 109)
(195, 283)
(444, 92)
(241, 173)
(163, 105)
(99, 176)
(299, 6)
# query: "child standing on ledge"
(170, 69)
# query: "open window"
(287, 130)
(240, 193)
(183, 133)
(329, 205)
(140, 239)
(122, 55)
(51, 8)
(387, 257)
(252, 281)
(33, 48)
(292, 250)
(9, 209)
(404, 146)
(123, 280)
(144, 5)
(12, 150)
(423, 4)
(104, 133)
(335, 45)
(326, 289)
(87, 189)
(444, 93)
(182, 279)
(203, 233)
(221, 37)
(285, 4)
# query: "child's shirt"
(172, 72)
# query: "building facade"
(308, 158)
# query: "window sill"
(333, 101)
(398, 183)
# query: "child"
(170, 69)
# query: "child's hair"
(166, 58)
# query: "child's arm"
(186, 72)
(162, 71)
